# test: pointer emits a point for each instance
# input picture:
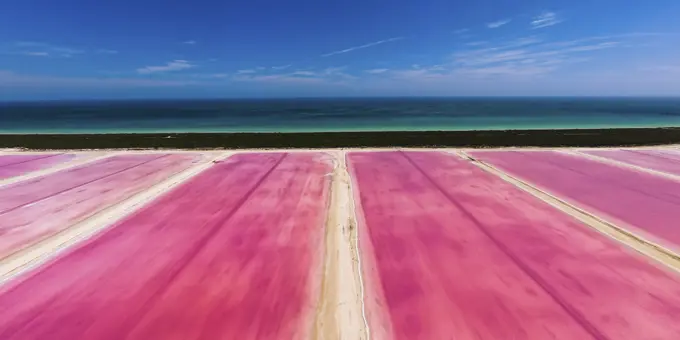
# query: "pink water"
(17, 165)
(36, 218)
(233, 253)
(641, 202)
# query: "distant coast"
(478, 139)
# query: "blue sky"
(72, 49)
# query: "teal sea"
(306, 115)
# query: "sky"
(81, 49)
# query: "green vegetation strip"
(519, 138)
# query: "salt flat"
(339, 244)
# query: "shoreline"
(318, 140)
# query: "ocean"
(319, 115)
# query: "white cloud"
(506, 70)
(377, 70)
(189, 42)
(595, 47)
(545, 19)
(498, 23)
(12, 79)
(37, 54)
(491, 58)
(463, 33)
(32, 44)
(282, 67)
(105, 51)
(67, 52)
(257, 69)
(531, 40)
(375, 43)
(528, 54)
(421, 74)
(279, 79)
(512, 44)
(624, 36)
(43, 49)
(329, 75)
(337, 73)
(524, 58)
(440, 74)
(32, 48)
(334, 70)
(175, 65)
(303, 73)
(213, 76)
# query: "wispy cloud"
(545, 19)
(511, 44)
(498, 23)
(14, 80)
(279, 79)
(36, 54)
(624, 36)
(189, 42)
(463, 33)
(375, 43)
(420, 74)
(534, 60)
(334, 70)
(527, 57)
(105, 51)
(213, 75)
(43, 49)
(329, 75)
(489, 58)
(282, 67)
(175, 65)
(594, 47)
(337, 73)
(30, 44)
(303, 73)
(253, 70)
(506, 70)
(544, 54)
(464, 74)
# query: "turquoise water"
(307, 115)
